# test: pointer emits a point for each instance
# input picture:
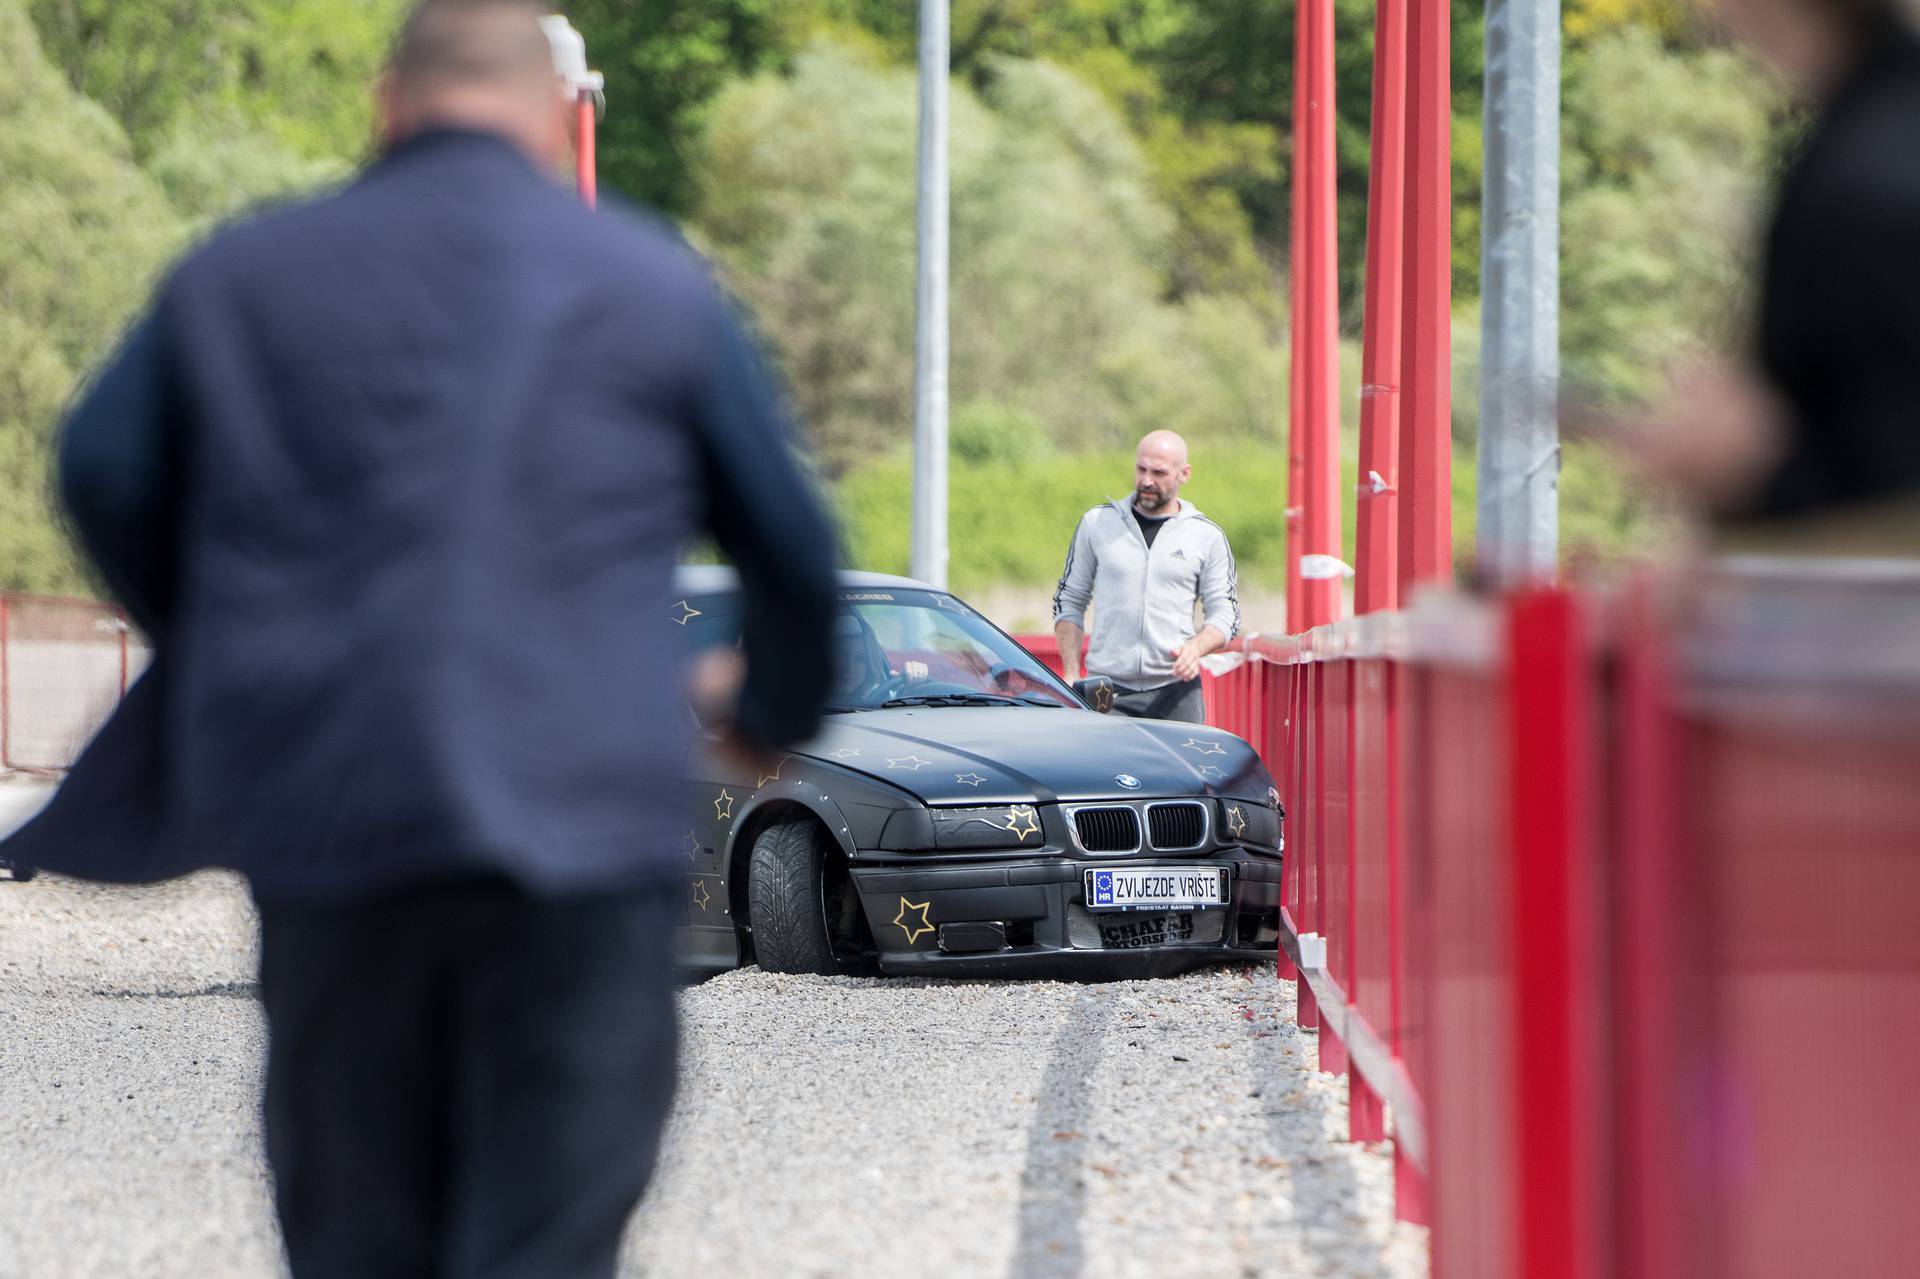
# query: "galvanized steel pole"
(1519, 463)
(929, 559)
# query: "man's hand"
(1720, 433)
(713, 687)
(1186, 658)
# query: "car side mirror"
(1096, 691)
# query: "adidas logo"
(1179, 554)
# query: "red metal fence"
(1615, 899)
(1612, 899)
(64, 665)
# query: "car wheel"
(21, 874)
(786, 900)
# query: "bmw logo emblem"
(1127, 780)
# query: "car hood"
(1021, 754)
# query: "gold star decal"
(1203, 748)
(1209, 771)
(693, 846)
(700, 895)
(911, 763)
(774, 776)
(723, 807)
(687, 613)
(1236, 821)
(1022, 821)
(913, 928)
(969, 779)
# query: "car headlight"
(999, 826)
(1246, 822)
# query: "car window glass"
(893, 643)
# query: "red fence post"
(1333, 1049)
(1375, 585)
(6, 707)
(1409, 1183)
(1653, 985)
(1366, 1114)
(1289, 789)
(1426, 435)
(1300, 845)
(1316, 318)
(1549, 723)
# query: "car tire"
(20, 874)
(785, 900)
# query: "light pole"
(1519, 463)
(929, 559)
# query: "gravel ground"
(826, 1126)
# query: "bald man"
(1144, 565)
(396, 480)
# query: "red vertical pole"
(1550, 723)
(585, 159)
(1651, 1188)
(1333, 1049)
(1316, 307)
(1366, 1113)
(1426, 382)
(1407, 765)
(1376, 584)
(1300, 843)
(6, 710)
(1289, 802)
(1296, 363)
(1409, 1185)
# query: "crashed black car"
(963, 812)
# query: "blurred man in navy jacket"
(396, 481)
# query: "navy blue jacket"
(396, 481)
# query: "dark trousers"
(465, 1081)
(1181, 700)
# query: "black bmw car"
(963, 812)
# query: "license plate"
(1156, 887)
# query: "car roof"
(704, 579)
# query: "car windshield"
(901, 646)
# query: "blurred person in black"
(396, 480)
(1817, 447)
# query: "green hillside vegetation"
(1016, 515)
(1119, 194)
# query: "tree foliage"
(1120, 177)
(1060, 252)
(665, 61)
(1664, 156)
(84, 230)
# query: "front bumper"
(1027, 917)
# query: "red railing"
(1612, 898)
(64, 665)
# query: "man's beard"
(1149, 501)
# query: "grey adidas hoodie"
(1143, 596)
